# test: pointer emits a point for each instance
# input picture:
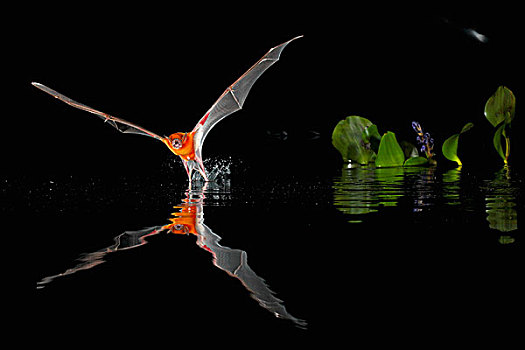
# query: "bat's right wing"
(232, 99)
(120, 124)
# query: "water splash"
(219, 171)
(218, 167)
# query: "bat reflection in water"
(188, 145)
(189, 219)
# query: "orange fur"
(187, 151)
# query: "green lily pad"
(500, 106)
(390, 153)
(347, 138)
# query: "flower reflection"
(189, 219)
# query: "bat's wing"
(235, 263)
(232, 99)
(119, 124)
(126, 240)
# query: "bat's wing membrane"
(235, 263)
(119, 124)
(126, 240)
(234, 96)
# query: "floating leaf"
(347, 137)
(390, 153)
(500, 106)
(416, 161)
(450, 146)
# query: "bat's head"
(178, 139)
(181, 143)
(185, 221)
(179, 229)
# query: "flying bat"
(188, 145)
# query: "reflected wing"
(119, 124)
(235, 263)
(233, 97)
(126, 240)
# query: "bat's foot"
(191, 166)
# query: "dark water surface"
(404, 255)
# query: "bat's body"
(188, 145)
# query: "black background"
(162, 67)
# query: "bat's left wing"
(120, 124)
(232, 99)
(126, 240)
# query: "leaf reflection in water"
(364, 190)
(500, 201)
(189, 219)
(451, 186)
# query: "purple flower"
(417, 127)
(424, 139)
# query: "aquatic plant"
(499, 111)
(390, 153)
(351, 139)
(450, 146)
(358, 140)
(424, 140)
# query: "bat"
(189, 219)
(188, 145)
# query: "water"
(361, 191)
(439, 249)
